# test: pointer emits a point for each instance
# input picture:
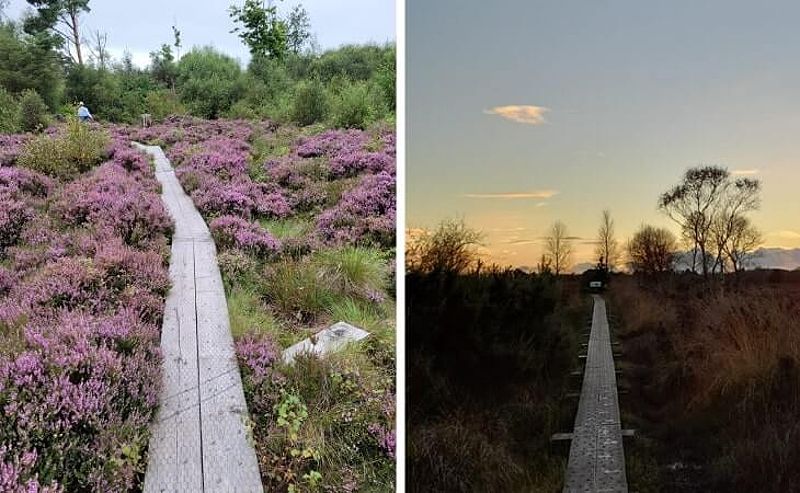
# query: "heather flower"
(112, 198)
(354, 162)
(256, 355)
(385, 438)
(17, 472)
(11, 146)
(25, 180)
(13, 216)
(332, 142)
(365, 214)
(235, 232)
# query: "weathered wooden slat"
(226, 445)
(596, 456)
(175, 461)
(199, 440)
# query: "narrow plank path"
(200, 441)
(596, 455)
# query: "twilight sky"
(142, 26)
(524, 112)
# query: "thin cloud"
(744, 172)
(536, 194)
(527, 114)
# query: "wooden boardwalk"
(596, 455)
(200, 441)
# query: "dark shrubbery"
(490, 355)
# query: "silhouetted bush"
(489, 355)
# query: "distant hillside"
(777, 258)
(763, 258)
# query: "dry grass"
(715, 378)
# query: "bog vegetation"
(291, 161)
(709, 352)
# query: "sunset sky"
(521, 113)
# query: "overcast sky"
(521, 113)
(141, 26)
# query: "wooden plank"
(596, 457)
(199, 440)
(175, 461)
(226, 445)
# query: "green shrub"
(310, 103)
(209, 82)
(242, 110)
(9, 113)
(163, 103)
(32, 111)
(352, 108)
(64, 156)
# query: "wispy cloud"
(527, 114)
(535, 194)
(744, 172)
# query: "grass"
(293, 227)
(714, 372)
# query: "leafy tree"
(298, 26)
(28, 62)
(9, 113)
(176, 35)
(310, 103)
(352, 108)
(163, 67)
(209, 82)
(60, 18)
(259, 26)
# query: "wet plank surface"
(596, 455)
(199, 440)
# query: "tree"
(29, 62)
(176, 42)
(209, 82)
(298, 27)
(451, 248)
(98, 50)
(558, 247)
(162, 66)
(743, 240)
(652, 250)
(706, 204)
(259, 26)
(607, 249)
(61, 18)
